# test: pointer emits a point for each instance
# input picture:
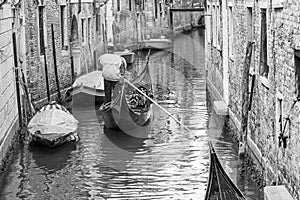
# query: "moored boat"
(129, 56)
(53, 126)
(220, 186)
(90, 85)
(159, 43)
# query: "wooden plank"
(245, 97)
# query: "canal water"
(168, 162)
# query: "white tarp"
(93, 80)
(53, 121)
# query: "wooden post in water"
(171, 20)
(17, 78)
(46, 73)
(55, 64)
(245, 99)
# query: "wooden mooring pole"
(46, 74)
(17, 79)
(55, 64)
(245, 99)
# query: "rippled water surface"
(167, 162)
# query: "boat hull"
(220, 186)
(156, 44)
(88, 87)
(127, 121)
(54, 140)
(87, 96)
(128, 56)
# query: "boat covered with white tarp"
(53, 125)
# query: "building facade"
(272, 138)
(46, 33)
(9, 118)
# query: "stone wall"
(214, 61)
(35, 60)
(279, 165)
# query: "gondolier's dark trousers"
(108, 89)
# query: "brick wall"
(214, 59)
(278, 165)
(35, 61)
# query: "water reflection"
(51, 160)
(166, 163)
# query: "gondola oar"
(154, 102)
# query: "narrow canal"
(167, 164)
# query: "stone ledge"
(278, 192)
(220, 107)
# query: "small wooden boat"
(159, 43)
(53, 126)
(120, 114)
(220, 186)
(129, 56)
(90, 85)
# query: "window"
(297, 73)
(98, 24)
(82, 31)
(264, 68)
(89, 31)
(214, 25)
(118, 5)
(218, 26)
(230, 32)
(208, 25)
(62, 26)
(129, 5)
(250, 34)
(41, 29)
(155, 8)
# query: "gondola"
(88, 88)
(53, 126)
(220, 186)
(120, 114)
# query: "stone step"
(278, 192)
(220, 107)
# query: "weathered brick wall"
(214, 54)
(285, 27)
(282, 25)
(125, 26)
(35, 61)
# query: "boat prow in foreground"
(53, 126)
(220, 186)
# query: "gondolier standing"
(113, 68)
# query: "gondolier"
(113, 68)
